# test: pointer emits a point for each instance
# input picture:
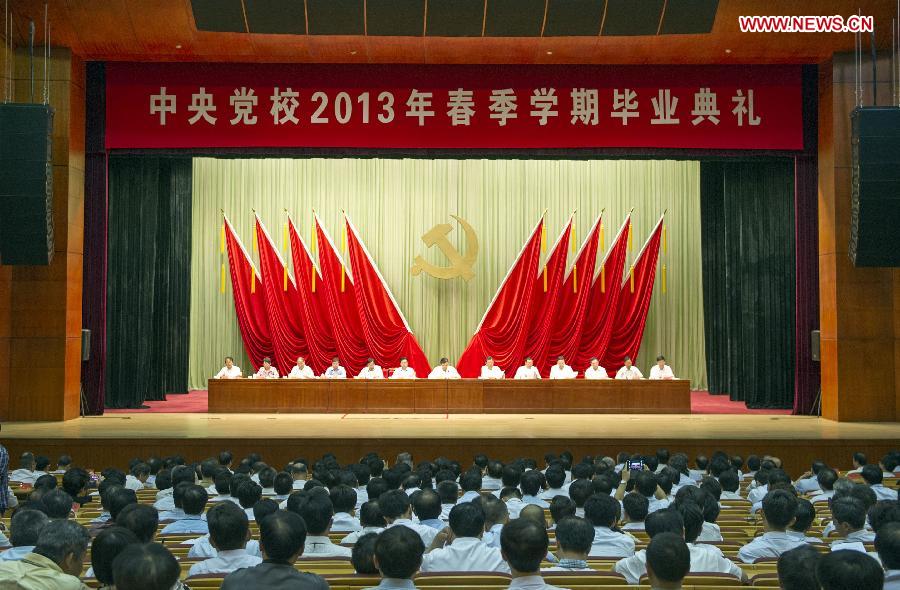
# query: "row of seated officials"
(409, 518)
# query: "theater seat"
(769, 580)
(583, 580)
(205, 582)
(705, 579)
(477, 579)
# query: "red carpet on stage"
(196, 402)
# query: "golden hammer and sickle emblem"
(460, 266)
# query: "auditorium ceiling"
(441, 31)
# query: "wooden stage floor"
(115, 438)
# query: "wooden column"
(859, 307)
(44, 325)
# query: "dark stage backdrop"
(749, 271)
(148, 279)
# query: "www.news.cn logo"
(836, 23)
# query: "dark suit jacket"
(273, 576)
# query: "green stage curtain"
(393, 202)
(148, 279)
(748, 280)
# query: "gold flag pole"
(222, 254)
(343, 255)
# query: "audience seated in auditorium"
(398, 556)
(317, 513)
(363, 556)
(25, 528)
(229, 532)
(849, 516)
(887, 546)
(459, 547)
(55, 563)
(849, 570)
(26, 472)
(140, 519)
(397, 511)
(427, 508)
(603, 512)
(574, 538)
(779, 510)
(560, 507)
(531, 483)
(192, 499)
(523, 545)
(496, 516)
(668, 561)
(826, 478)
(874, 477)
(797, 568)
(104, 550)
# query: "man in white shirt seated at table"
(370, 371)
(444, 371)
(301, 370)
(229, 531)
(490, 370)
(595, 371)
(661, 370)
(266, 371)
(404, 371)
(561, 370)
(528, 370)
(335, 371)
(459, 548)
(230, 370)
(629, 371)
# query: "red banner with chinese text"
(196, 105)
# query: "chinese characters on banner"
(401, 106)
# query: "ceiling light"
(549, 53)
(727, 51)
(353, 52)
(178, 46)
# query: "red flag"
(503, 331)
(574, 301)
(313, 310)
(601, 312)
(545, 301)
(633, 305)
(249, 300)
(385, 329)
(283, 305)
(340, 303)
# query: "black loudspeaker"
(875, 213)
(85, 345)
(815, 345)
(26, 184)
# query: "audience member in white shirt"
(370, 371)
(496, 516)
(826, 477)
(343, 499)
(556, 482)
(229, 531)
(528, 370)
(404, 371)
(459, 548)
(444, 371)
(731, 485)
(561, 370)
(849, 517)
(778, 512)
(470, 484)
(887, 546)
(530, 484)
(301, 370)
(523, 545)
(661, 370)
(595, 371)
(318, 513)
(513, 499)
(807, 483)
(852, 569)
(398, 556)
(874, 477)
(370, 520)
(137, 479)
(397, 511)
(602, 512)
(490, 370)
(26, 472)
(230, 370)
(448, 492)
(629, 371)
(335, 370)
(574, 537)
(266, 371)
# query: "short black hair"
(448, 491)
(470, 481)
(860, 458)
(282, 535)
(141, 519)
(779, 508)
(264, 508)
(849, 570)
(119, 499)
(283, 483)
(530, 482)
(194, 499)
(362, 554)
(580, 490)
(467, 520)
(826, 478)
(57, 504)
(692, 515)
(797, 568)
(106, 547)
(149, 566)
(872, 474)
(399, 551)
(729, 480)
(849, 510)
(645, 483)
(317, 512)
(267, 477)
(228, 526)
(45, 482)
(574, 534)
(602, 510)
(225, 457)
(393, 503)
(427, 505)
(343, 498)
(664, 521)
(524, 544)
(804, 516)
(561, 507)
(247, 492)
(668, 557)
(882, 513)
(75, 480)
(377, 486)
(555, 476)
(26, 526)
(887, 544)
(636, 506)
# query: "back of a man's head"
(427, 505)
(140, 519)
(804, 516)
(57, 504)
(530, 483)
(561, 507)
(575, 535)
(105, 548)
(183, 474)
(75, 480)
(26, 527)
(692, 515)
(849, 570)
(448, 491)
(65, 543)
(779, 509)
(601, 510)
(282, 536)
(523, 543)
(393, 504)
(194, 500)
(398, 552)
(636, 506)
(668, 560)
(228, 526)
(797, 568)
(467, 520)
(849, 512)
(247, 492)
(580, 490)
(495, 510)
(119, 499)
(317, 513)
(645, 483)
(149, 566)
(664, 521)
(363, 555)
(872, 474)
(887, 544)
(826, 478)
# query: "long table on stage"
(451, 396)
